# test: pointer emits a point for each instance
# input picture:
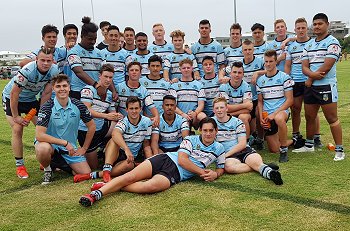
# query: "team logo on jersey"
(294, 48)
(74, 59)
(256, 66)
(198, 147)
(72, 115)
(263, 82)
(213, 48)
(120, 57)
(155, 48)
(146, 84)
(123, 90)
(179, 85)
(279, 81)
(86, 93)
(334, 49)
(325, 97)
(20, 78)
(173, 58)
(274, 45)
(84, 53)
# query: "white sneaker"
(304, 149)
(339, 156)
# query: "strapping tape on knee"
(336, 123)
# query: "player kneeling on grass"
(196, 153)
(57, 131)
(240, 157)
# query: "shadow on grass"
(8, 142)
(318, 204)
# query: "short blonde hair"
(177, 33)
(279, 21)
(299, 20)
(157, 24)
(219, 99)
(184, 61)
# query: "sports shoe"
(81, 177)
(339, 156)
(283, 157)
(21, 172)
(275, 176)
(47, 179)
(106, 176)
(304, 149)
(318, 143)
(87, 200)
(97, 186)
(273, 166)
(259, 144)
(298, 142)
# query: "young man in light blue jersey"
(275, 96)
(172, 128)
(171, 62)
(130, 135)
(104, 30)
(85, 60)
(57, 131)
(142, 54)
(156, 86)
(281, 31)
(293, 67)
(102, 109)
(240, 157)
(211, 85)
(207, 46)
(49, 36)
(159, 46)
(129, 37)
(162, 171)
(115, 55)
(20, 96)
(132, 87)
(238, 95)
(251, 65)
(189, 94)
(319, 65)
(260, 45)
(232, 53)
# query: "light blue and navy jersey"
(259, 51)
(213, 49)
(211, 89)
(273, 90)
(130, 52)
(295, 54)
(124, 91)
(135, 134)
(157, 89)
(200, 154)
(233, 54)
(187, 94)
(117, 59)
(63, 65)
(31, 81)
(170, 135)
(161, 50)
(143, 59)
(276, 45)
(249, 69)
(58, 55)
(89, 60)
(229, 131)
(317, 51)
(63, 122)
(172, 63)
(89, 95)
(235, 95)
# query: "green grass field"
(315, 194)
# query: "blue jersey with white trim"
(211, 89)
(187, 93)
(143, 59)
(172, 60)
(233, 54)
(213, 49)
(235, 95)
(124, 91)
(317, 51)
(170, 135)
(134, 135)
(157, 89)
(89, 60)
(63, 122)
(63, 65)
(130, 52)
(161, 50)
(295, 54)
(260, 50)
(249, 69)
(31, 81)
(200, 154)
(117, 59)
(229, 131)
(273, 90)
(89, 95)
(276, 45)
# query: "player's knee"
(201, 116)
(17, 130)
(43, 150)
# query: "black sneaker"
(273, 166)
(318, 143)
(47, 179)
(283, 157)
(275, 176)
(259, 144)
(298, 142)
